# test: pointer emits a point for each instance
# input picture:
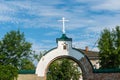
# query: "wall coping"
(26, 72)
(114, 70)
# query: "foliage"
(14, 51)
(109, 46)
(39, 56)
(63, 69)
(13, 48)
(8, 72)
(26, 64)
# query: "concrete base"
(29, 77)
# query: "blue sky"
(38, 19)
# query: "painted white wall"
(95, 63)
(59, 51)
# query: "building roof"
(63, 38)
(92, 55)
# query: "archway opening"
(64, 68)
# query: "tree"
(26, 64)
(109, 46)
(13, 49)
(63, 69)
(8, 72)
(38, 56)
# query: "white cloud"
(51, 33)
(46, 13)
(95, 49)
(83, 44)
(38, 46)
(5, 8)
(5, 18)
(48, 41)
(104, 21)
(80, 44)
(108, 5)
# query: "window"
(64, 47)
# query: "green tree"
(13, 49)
(26, 64)
(8, 72)
(37, 57)
(63, 69)
(109, 46)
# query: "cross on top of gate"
(63, 21)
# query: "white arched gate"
(64, 49)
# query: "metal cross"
(63, 21)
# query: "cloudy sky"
(38, 19)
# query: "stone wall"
(88, 73)
(94, 76)
(106, 76)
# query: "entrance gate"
(64, 49)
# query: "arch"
(67, 57)
(56, 53)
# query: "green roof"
(63, 38)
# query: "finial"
(63, 21)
